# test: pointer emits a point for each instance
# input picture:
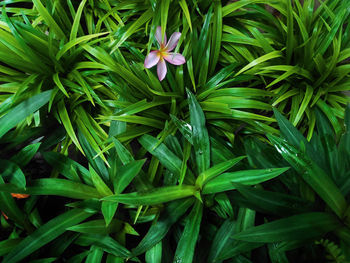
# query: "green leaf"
(62, 111)
(101, 187)
(186, 12)
(24, 156)
(336, 23)
(271, 55)
(327, 110)
(212, 86)
(231, 7)
(43, 260)
(67, 167)
(8, 245)
(236, 247)
(347, 117)
(292, 134)
(304, 105)
(23, 110)
(275, 255)
(108, 211)
(137, 120)
(217, 34)
(344, 234)
(10, 208)
(97, 227)
(285, 96)
(107, 243)
(69, 45)
(95, 161)
(159, 150)
(330, 153)
(114, 259)
(49, 19)
(95, 255)
(273, 202)
(245, 219)
(290, 31)
(124, 155)
(146, 15)
(186, 245)
(155, 196)
(312, 174)
(217, 170)
(58, 83)
(202, 46)
(54, 186)
(61, 244)
(224, 247)
(224, 205)
(302, 226)
(126, 174)
(247, 177)
(160, 228)
(78, 258)
(200, 135)
(76, 23)
(221, 240)
(164, 9)
(45, 234)
(184, 128)
(154, 255)
(12, 173)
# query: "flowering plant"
(159, 56)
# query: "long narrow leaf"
(200, 135)
(46, 233)
(302, 226)
(248, 177)
(21, 111)
(185, 248)
(154, 196)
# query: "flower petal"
(19, 196)
(161, 69)
(159, 35)
(151, 59)
(173, 41)
(175, 58)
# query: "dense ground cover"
(174, 131)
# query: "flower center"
(163, 51)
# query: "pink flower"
(163, 53)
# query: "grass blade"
(165, 156)
(62, 111)
(45, 234)
(200, 135)
(217, 170)
(302, 226)
(155, 196)
(157, 232)
(319, 181)
(23, 110)
(49, 19)
(186, 246)
(154, 255)
(54, 186)
(248, 177)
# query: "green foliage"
(240, 153)
(319, 176)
